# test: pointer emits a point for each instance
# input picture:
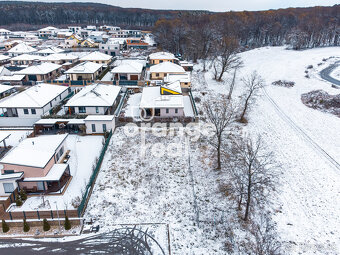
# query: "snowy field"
(132, 107)
(336, 73)
(83, 152)
(133, 188)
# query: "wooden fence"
(50, 214)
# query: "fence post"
(64, 213)
(10, 215)
(38, 215)
(52, 214)
(23, 212)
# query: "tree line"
(200, 37)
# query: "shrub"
(46, 225)
(23, 195)
(26, 226)
(67, 223)
(310, 67)
(5, 227)
(18, 201)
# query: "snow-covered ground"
(133, 188)
(336, 73)
(83, 153)
(132, 107)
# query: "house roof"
(43, 68)
(16, 175)
(95, 95)
(3, 57)
(60, 56)
(130, 67)
(162, 55)
(15, 77)
(54, 121)
(96, 55)
(4, 136)
(48, 29)
(99, 118)
(54, 174)
(152, 98)
(2, 30)
(167, 67)
(85, 67)
(22, 48)
(28, 57)
(4, 88)
(178, 77)
(50, 50)
(34, 152)
(34, 97)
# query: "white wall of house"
(172, 112)
(99, 126)
(9, 181)
(91, 110)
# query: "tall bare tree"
(221, 113)
(253, 84)
(254, 172)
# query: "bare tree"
(254, 172)
(253, 84)
(233, 81)
(221, 114)
(225, 57)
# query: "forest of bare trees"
(202, 37)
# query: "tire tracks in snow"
(335, 164)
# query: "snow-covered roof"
(26, 57)
(54, 174)
(130, 67)
(60, 56)
(99, 118)
(54, 121)
(48, 29)
(17, 175)
(167, 67)
(50, 50)
(95, 95)
(174, 86)
(4, 57)
(4, 71)
(4, 136)
(15, 77)
(85, 67)
(162, 55)
(152, 98)
(4, 88)
(2, 30)
(96, 56)
(22, 48)
(178, 77)
(34, 97)
(43, 68)
(34, 152)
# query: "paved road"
(122, 241)
(325, 73)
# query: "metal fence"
(93, 177)
(125, 83)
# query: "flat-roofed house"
(160, 71)
(6, 90)
(25, 59)
(46, 32)
(128, 71)
(99, 124)
(160, 57)
(33, 102)
(60, 58)
(38, 160)
(184, 79)
(49, 50)
(99, 99)
(41, 72)
(97, 57)
(84, 71)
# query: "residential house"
(98, 99)
(97, 57)
(99, 124)
(34, 102)
(160, 57)
(96, 36)
(47, 32)
(160, 71)
(5, 33)
(21, 48)
(184, 79)
(111, 47)
(84, 71)
(4, 71)
(73, 41)
(40, 161)
(61, 58)
(6, 90)
(9, 183)
(41, 72)
(128, 71)
(25, 60)
(74, 29)
(89, 43)
(4, 59)
(49, 51)
(136, 43)
(186, 65)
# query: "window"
(157, 74)
(104, 128)
(82, 109)
(176, 110)
(25, 111)
(8, 187)
(167, 110)
(97, 109)
(93, 128)
(33, 111)
(8, 171)
(160, 61)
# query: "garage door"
(134, 77)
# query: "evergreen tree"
(18, 201)
(26, 226)
(5, 227)
(23, 195)
(46, 225)
(67, 223)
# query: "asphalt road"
(325, 73)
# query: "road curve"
(325, 73)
